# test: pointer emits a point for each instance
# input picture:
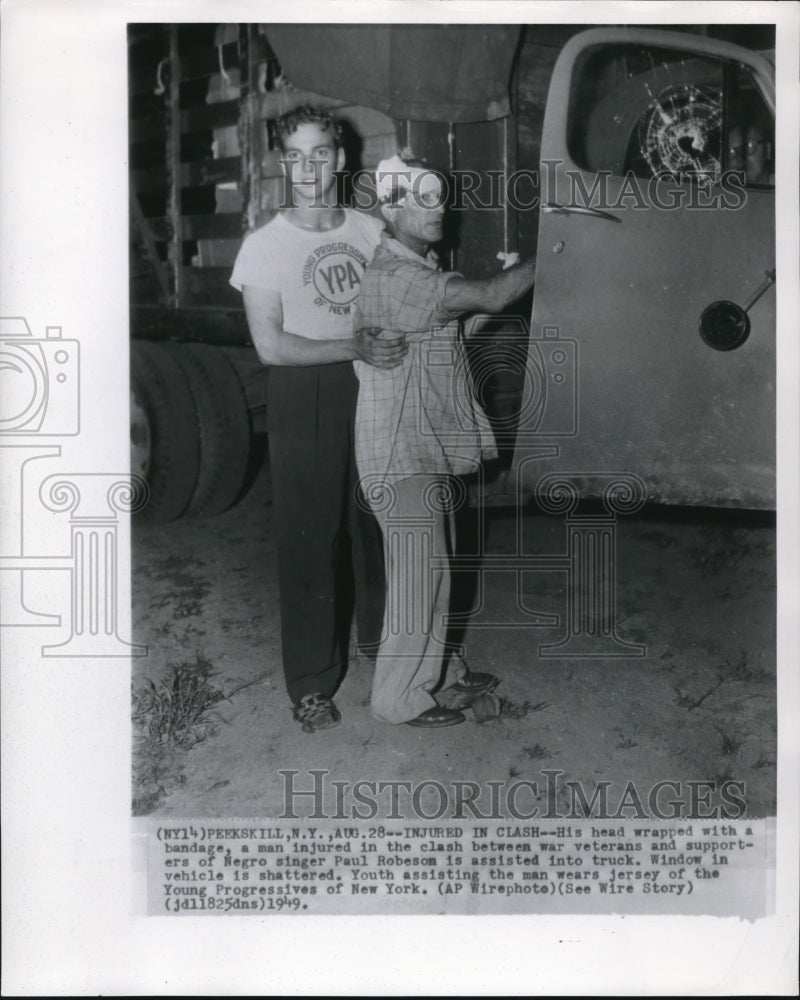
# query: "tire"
(223, 424)
(165, 443)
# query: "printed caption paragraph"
(295, 867)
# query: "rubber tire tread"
(162, 390)
(223, 424)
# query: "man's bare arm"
(489, 294)
(277, 347)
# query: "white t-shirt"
(317, 274)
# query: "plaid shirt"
(422, 416)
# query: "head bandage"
(394, 172)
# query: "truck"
(636, 164)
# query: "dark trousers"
(329, 548)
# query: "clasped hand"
(385, 351)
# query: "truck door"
(642, 357)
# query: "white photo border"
(71, 874)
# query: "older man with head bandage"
(418, 425)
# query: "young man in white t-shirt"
(300, 275)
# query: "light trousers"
(418, 529)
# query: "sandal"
(316, 711)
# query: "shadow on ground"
(695, 589)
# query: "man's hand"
(489, 294)
(377, 351)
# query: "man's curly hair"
(308, 115)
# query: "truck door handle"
(596, 213)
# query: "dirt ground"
(696, 588)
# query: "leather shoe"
(472, 683)
(433, 718)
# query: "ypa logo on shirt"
(335, 269)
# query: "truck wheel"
(223, 424)
(165, 448)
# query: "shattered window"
(652, 111)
